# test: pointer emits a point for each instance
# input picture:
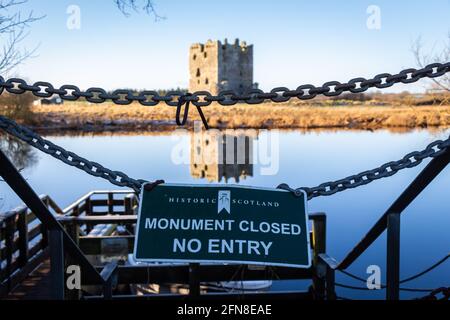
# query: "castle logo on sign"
(223, 201)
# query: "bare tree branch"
(423, 59)
(125, 6)
(13, 28)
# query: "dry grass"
(269, 115)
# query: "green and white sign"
(226, 224)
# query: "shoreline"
(168, 129)
(85, 117)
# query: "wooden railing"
(23, 244)
(24, 241)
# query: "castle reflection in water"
(218, 155)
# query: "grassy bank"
(81, 115)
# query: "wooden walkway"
(37, 285)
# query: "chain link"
(226, 98)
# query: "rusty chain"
(118, 178)
(43, 89)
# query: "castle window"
(206, 81)
(205, 54)
(194, 57)
(198, 72)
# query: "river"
(299, 158)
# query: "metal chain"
(226, 98)
(93, 168)
(445, 291)
(118, 178)
(388, 169)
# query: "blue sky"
(295, 42)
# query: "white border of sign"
(223, 261)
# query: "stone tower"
(216, 66)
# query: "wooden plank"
(110, 203)
(36, 248)
(31, 217)
(106, 213)
(52, 204)
(16, 263)
(319, 232)
(127, 202)
(20, 276)
(35, 231)
(13, 247)
(22, 227)
(105, 202)
(9, 239)
(88, 204)
(93, 220)
(75, 211)
(69, 209)
(82, 209)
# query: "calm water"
(296, 158)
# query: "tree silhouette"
(125, 6)
(15, 24)
(425, 58)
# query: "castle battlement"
(215, 66)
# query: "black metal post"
(57, 264)
(330, 281)
(194, 282)
(393, 257)
(328, 265)
(109, 275)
